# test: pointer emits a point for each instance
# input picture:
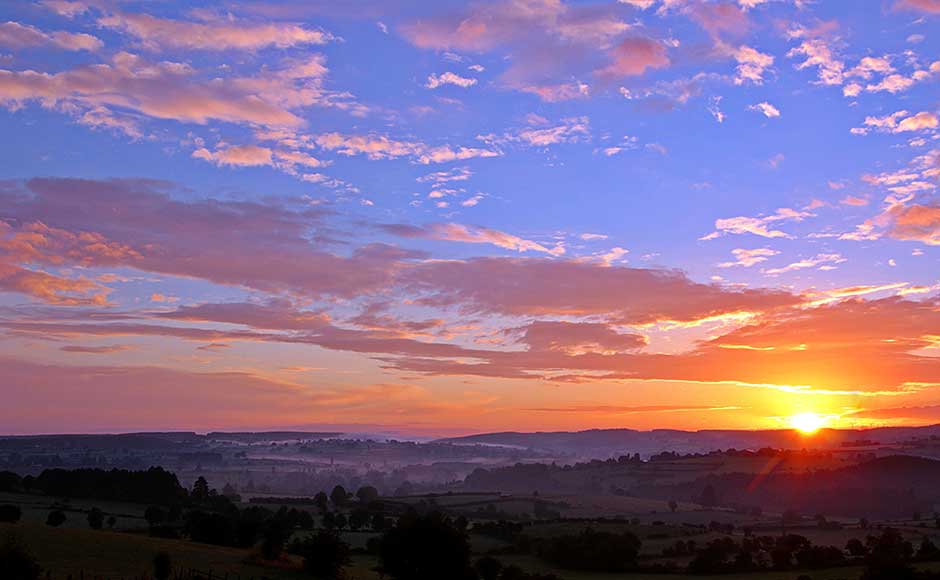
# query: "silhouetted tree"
(95, 518)
(55, 518)
(10, 513)
(275, 535)
(200, 490)
(155, 515)
(673, 505)
(888, 556)
(16, 562)
(111, 522)
(593, 551)
(927, 550)
(324, 553)
(488, 568)
(709, 497)
(358, 518)
(367, 494)
(321, 501)
(162, 566)
(379, 522)
(339, 496)
(424, 547)
(856, 548)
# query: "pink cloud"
(162, 33)
(928, 6)
(383, 147)
(473, 235)
(535, 287)
(633, 56)
(548, 42)
(156, 233)
(18, 36)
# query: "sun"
(808, 423)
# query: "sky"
(435, 218)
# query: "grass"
(69, 551)
(36, 508)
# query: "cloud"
(900, 122)
(66, 8)
(376, 146)
(570, 130)
(824, 260)
(748, 258)
(926, 6)
(441, 177)
(255, 156)
(766, 109)
(758, 226)
(472, 235)
(50, 288)
(197, 238)
(916, 222)
(516, 286)
(576, 337)
(449, 78)
(752, 65)
(547, 43)
(109, 349)
(633, 56)
(20, 36)
(818, 54)
(558, 92)
(169, 90)
(161, 33)
(240, 155)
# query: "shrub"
(55, 518)
(10, 513)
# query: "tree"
(424, 547)
(928, 550)
(321, 501)
(673, 505)
(111, 522)
(709, 497)
(56, 518)
(200, 490)
(888, 557)
(16, 562)
(488, 568)
(593, 551)
(367, 494)
(379, 523)
(340, 521)
(10, 513)
(95, 518)
(329, 520)
(155, 515)
(325, 554)
(358, 518)
(339, 496)
(162, 566)
(856, 548)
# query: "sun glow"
(808, 422)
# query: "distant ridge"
(606, 442)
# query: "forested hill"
(607, 442)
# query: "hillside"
(607, 442)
